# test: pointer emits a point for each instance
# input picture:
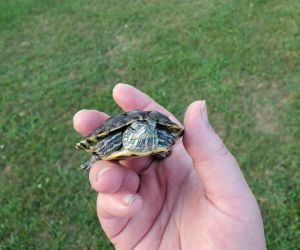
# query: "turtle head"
(140, 136)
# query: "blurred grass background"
(242, 57)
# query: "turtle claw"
(88, 164)
(85, 166)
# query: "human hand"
(197, 198)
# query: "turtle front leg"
(161, 156)
(88, 164)
(165, 140)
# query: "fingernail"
(75, 116)
(129, 199)
(101, 172)
(204, 112)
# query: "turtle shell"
(121, 121)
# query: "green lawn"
(242, 57)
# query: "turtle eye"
(152, 124)
(134, 125)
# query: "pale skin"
(197, 198)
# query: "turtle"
(131, 134)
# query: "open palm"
(197, 198)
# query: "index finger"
(85, 121)
(128, 98)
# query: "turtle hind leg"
(88, 164)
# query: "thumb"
(216, 167)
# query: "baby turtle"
(132, 134)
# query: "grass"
(57, 57)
